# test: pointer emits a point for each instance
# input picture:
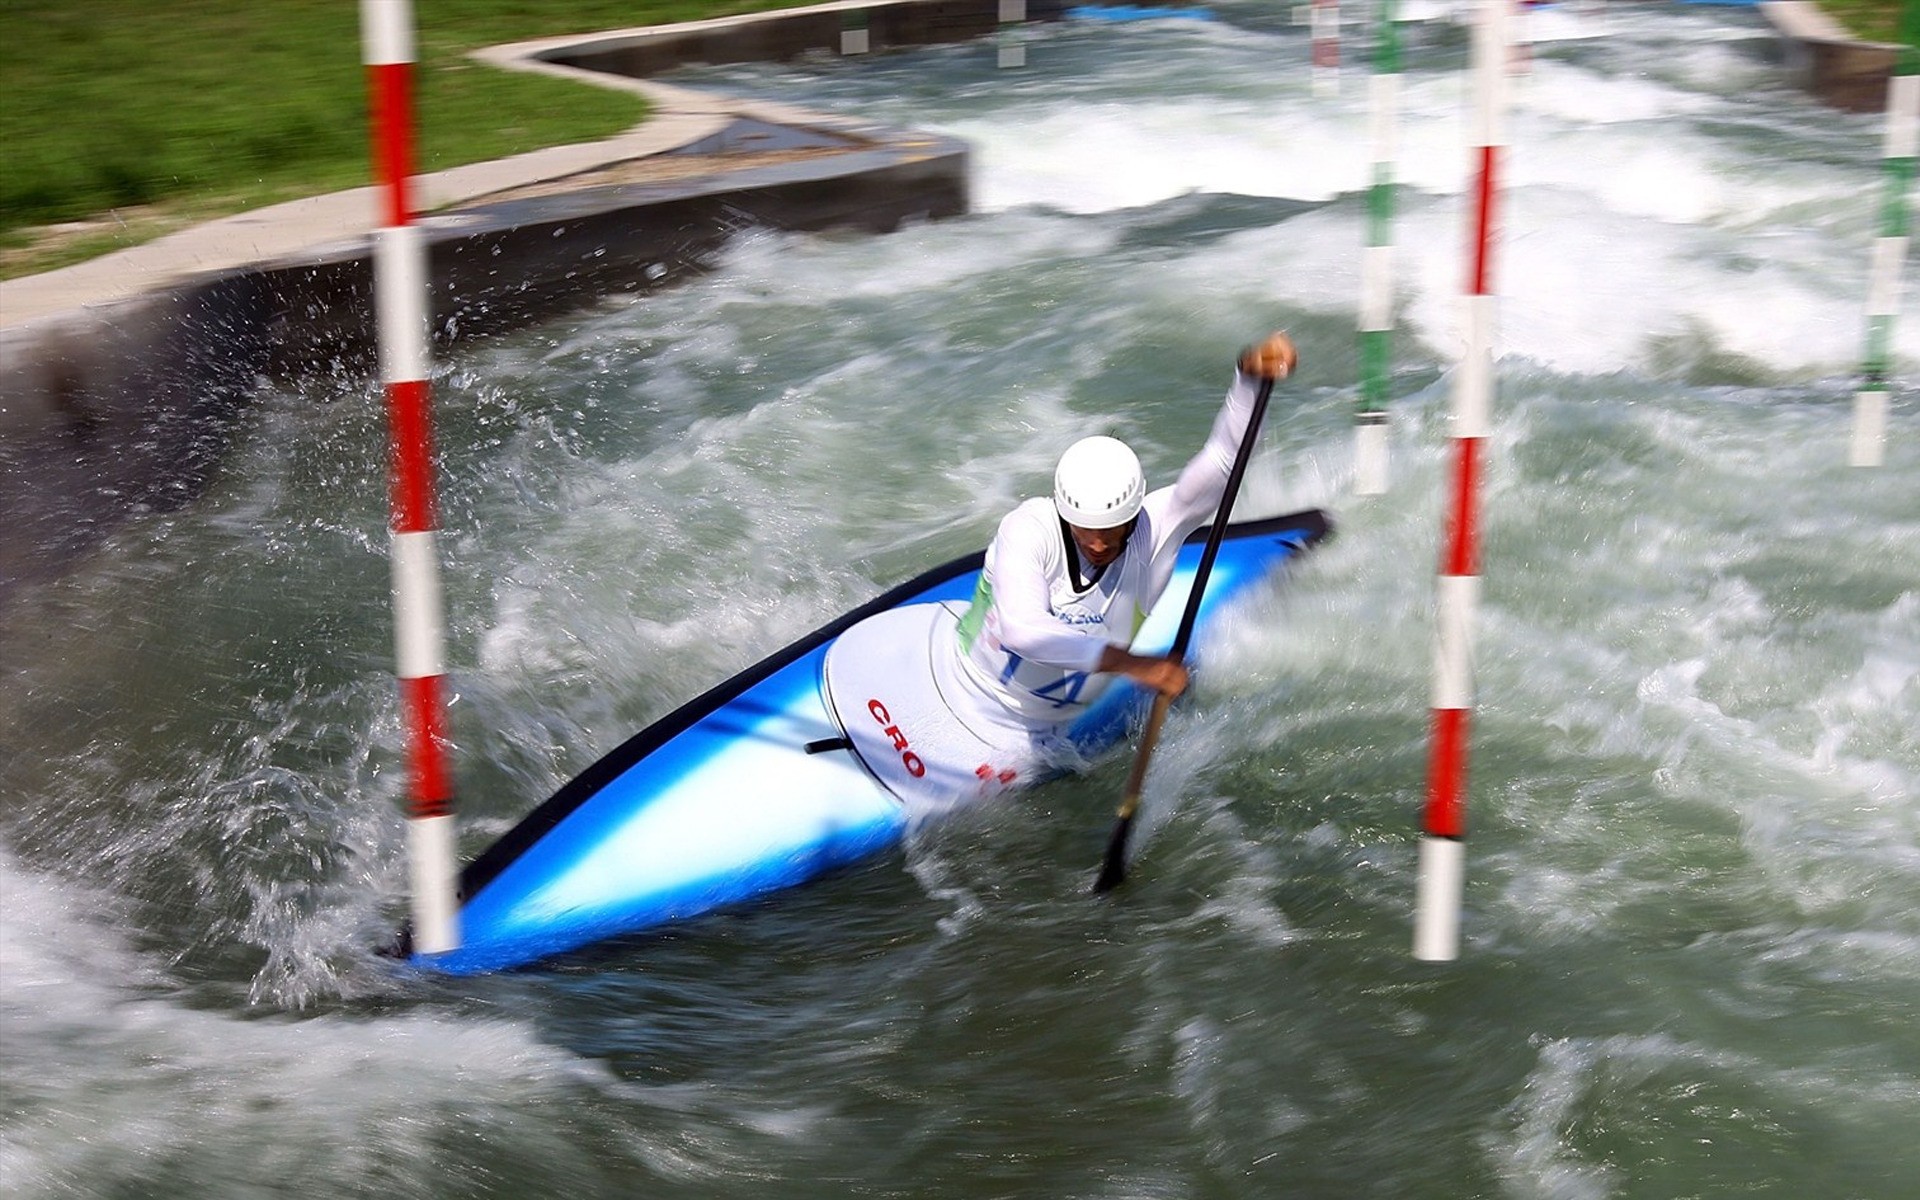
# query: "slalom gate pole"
(1324, 23)
(1376, 264)
(400, 309)
(1520, 37)
(855, 37)
(1436, 935)
(1889, 251)
(1010, 50)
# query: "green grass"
(1877, 20)
(154, 113)
(140, 116)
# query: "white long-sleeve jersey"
(1029, 643)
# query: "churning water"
(1692, 934)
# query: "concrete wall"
(1830, 64)
(126, 406)
(134, 406)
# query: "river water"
(1691, 961)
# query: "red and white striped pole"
(400, 307)
(1436, 934)
(1325, 27)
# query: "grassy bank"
(123, 119)
(1877, 20)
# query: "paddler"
(1069, 580)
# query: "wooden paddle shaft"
(1137, 777)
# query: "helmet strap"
(1072, 548)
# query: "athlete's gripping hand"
(1162, 673)
(1273, 358)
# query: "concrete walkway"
(319, 225)
(120, 377)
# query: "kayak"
(797, 766)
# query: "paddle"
(1114, 870)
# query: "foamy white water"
(1691, 934)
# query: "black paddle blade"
(1113, 872)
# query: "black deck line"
(1312, 524)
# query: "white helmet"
(1098, 484)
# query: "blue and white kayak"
(1118, 13)
(759, 785)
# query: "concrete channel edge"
(121, 379)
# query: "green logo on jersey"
(976, 614)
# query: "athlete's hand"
(1273, 358)
(1162, 674)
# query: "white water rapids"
(1692, 933)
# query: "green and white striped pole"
(1376, 264)
(1012, 52)
(1889, 249)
